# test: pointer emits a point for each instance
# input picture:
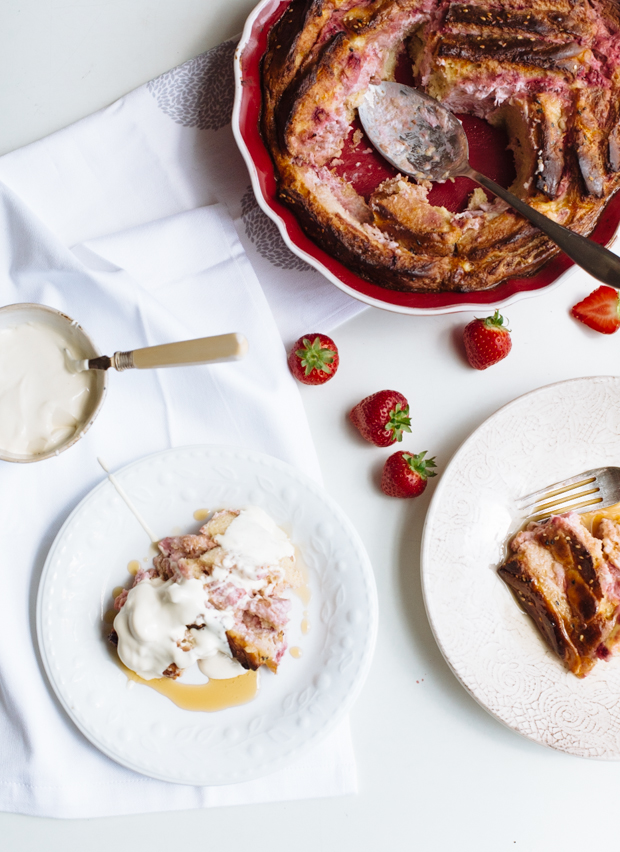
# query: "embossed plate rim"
(72, 598)
(509, 639)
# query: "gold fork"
(598, 487)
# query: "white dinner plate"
(489, 642)
(294, 709)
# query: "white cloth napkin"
(180, 277)
(164, 148)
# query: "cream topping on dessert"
(42, 403)
(176, 621)
(152, 624)
(220, 666)
(254, 539)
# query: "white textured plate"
(490, 644)
(294, 709)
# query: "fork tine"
(571, 507)
(597, 487)
(567, 498)
(564, 485)
(574, 497)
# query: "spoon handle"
(595, 259)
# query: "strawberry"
(600, 310)
(313, 359)
(487, 341)
(382, 417)
(406, 475)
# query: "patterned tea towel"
(164, 148)
(139, 221)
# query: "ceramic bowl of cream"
(44, 406)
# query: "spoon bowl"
(414, 132)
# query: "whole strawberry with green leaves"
(487, 341)
(314, 359)
(382, 417)
(406, 474)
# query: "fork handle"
(598, 261)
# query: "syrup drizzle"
(202, 697)
(592, 519)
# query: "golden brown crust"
(550, 74)
(253, 654)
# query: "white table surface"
(436, 773)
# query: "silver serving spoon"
(202, 350)
(422, 138)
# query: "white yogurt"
(42, 403)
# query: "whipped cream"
(42, 403)
(153, 623)
(255, 540)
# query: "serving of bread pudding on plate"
(568, 581)
(216, 598)
(548, 73)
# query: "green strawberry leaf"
(496, 322)
(420, 465)
(315, 357)
(399, 421)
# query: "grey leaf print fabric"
(200, 92)
(266, 237)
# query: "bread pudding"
(548, 73)
(216, 598)
(568, 581)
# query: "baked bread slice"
(548, 73)
(568, 581)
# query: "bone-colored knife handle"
(203, 350)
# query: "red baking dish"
(366, 170)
